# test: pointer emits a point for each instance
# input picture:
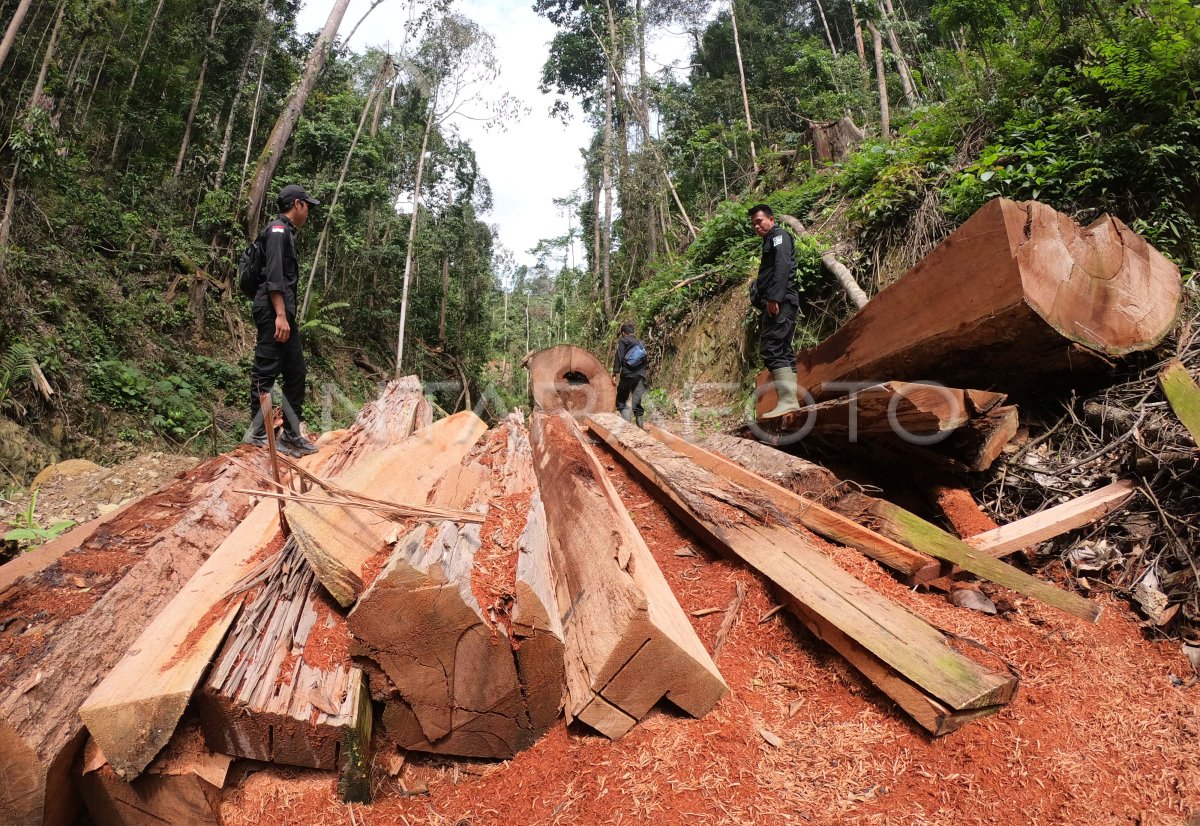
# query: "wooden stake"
(264, 403)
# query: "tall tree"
(191, 116)
(14, 26)
(268, 160)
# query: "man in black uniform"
(777, 298)
(278, 351)
(630, 366)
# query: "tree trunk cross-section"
(462, 621)
(628, 643)
(566, 377)
(1017, 293)
(909, 660)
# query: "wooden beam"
(905, 657)
(1183, 395)
(913, 566)
(628, 643)
(920, 409)
(1046, 297)
(1054, 521)
(338, 542)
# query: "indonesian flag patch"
(280, 229)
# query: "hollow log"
(1017, 295)
(566, 377)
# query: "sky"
(537, 158)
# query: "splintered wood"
(910, 661)
(69, 623)
(628, 643)
(462, 620)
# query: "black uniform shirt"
(281, 267)
(624, 345)
(777, 269)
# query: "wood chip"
(704, 612)
(794, 707)
(684, 551)
(772, 739)
(770, 614)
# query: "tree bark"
(860, 47)
(737, 47)
(825, 23)
(262, 69)
(412, 232)
(606, 234)
(445, 295)
(269, 159)
(885, 116)
(906, 81)
(14, 26)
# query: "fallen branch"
(393, 512)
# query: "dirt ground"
(1105, 730)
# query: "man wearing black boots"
(278, 351)
(629, 372)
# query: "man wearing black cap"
(278, 351)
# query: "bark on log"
(907, 659)
(1017, 294)
(570, 378)
(628, 643)
(89, 605)
(894, 407)
(463, 619)
(832, 141)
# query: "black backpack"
(250, 265)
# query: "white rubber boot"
(785, 389)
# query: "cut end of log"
(132, 734)
(566, 377)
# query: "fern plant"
(16, 364)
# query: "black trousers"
(273, 360)
(631, 386)
(775, 334)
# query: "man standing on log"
(775, 295)
(629, 372)
(278, 350)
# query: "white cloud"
(537, 158)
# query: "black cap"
(295, 192)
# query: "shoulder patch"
(281, 229)
(777, 240)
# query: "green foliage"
(171, 403)
(28, 530)
(16, 365)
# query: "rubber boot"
(257, 434)
(785, 388)
(638, 421)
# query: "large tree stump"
(1016, 294)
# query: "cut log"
(463, 619)
(895, 407)
(1054, 521)
(283, 688)
(133, 712)
(913, 566)
(1183, 395)
(959, 508)
(566, 377)
(979, 444)
(891, 522)
(82, 611)
(182, 785)
(628, 643)
(1015, 295)
(339, 541)
(906, 658)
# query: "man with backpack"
(629, 371)
(270, 272)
